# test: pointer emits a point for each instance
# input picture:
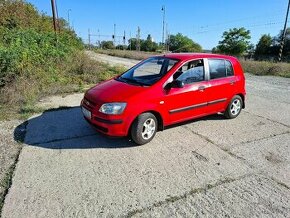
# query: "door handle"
(232, 82)
(201, 88)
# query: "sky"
(202, 21)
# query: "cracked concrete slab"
(113, 177)
(253, 196)
(210, 167)
(229, 133)
(271, 156)
(268, 96)
(269, 109)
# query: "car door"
(189, 101)
(221, 84)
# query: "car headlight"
(113, 108)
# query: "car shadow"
(65, 128)
(209, 117)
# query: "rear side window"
(219, 68)
(229, 68)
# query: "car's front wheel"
(144, 128)
(234, 108)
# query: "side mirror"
(175, 84)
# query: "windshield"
(148, 72)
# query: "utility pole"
(138, 39)
(163, 9)
(89, 36)
(54, 16)
(124, 40)
(114, 36)
(99, 41)
(284, 33)
(57, 20)
(166, 37)
(68, 17)
(130, 41)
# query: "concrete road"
(211, 167)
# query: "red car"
(164, 90)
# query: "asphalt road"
(211, 167)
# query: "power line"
(271, 23)
(272, 15)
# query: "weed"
(264, 68)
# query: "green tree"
(263, 47)
(133, 43)
(121, 47)
(107, 45)
(180, 43)
(148, 44)
(235, 42)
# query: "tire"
(234, 108)
(144, 128)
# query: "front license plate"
(87, 113)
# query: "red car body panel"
(169, 105)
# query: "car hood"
(113, 91)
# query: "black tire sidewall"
(137, 127)
(228, 112)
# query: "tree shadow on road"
(64, 128)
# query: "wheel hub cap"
(148, 130)
(235, 107)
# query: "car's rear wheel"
(144, 128)
(234, 108)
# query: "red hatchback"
(164, 90)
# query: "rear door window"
(219, 68)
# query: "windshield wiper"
(132, 81)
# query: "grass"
(7, 181)
(74, 75)
(265, 68)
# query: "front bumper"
(110, 125)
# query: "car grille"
(89, 104)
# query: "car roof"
(189, 56)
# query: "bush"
(266, 68)
(34, 63)
(24, 51)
